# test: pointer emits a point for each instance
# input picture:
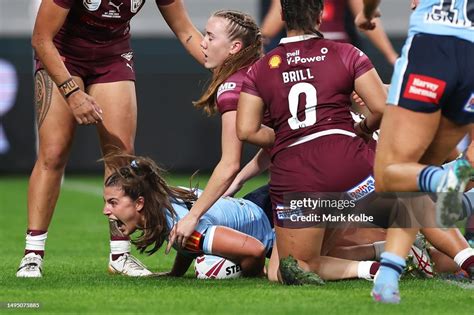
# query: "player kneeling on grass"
(137, 197)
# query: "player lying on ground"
(137, 197)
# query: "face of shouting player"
(123, 209)
(216, 45)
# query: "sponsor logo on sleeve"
(274, 62)
(362, 190)
(226, 86)
(91, 5)
(469, 107)
(424, 89)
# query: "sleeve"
(164, 2)
(65, 4)
(250, 82)
(356, 62)
(227, 101)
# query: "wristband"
(364, 127)
(68, 87)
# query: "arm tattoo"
(43, 95)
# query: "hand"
(357, 99)
(182, 231)
(360, 133)
(84, 108)
(365, 23)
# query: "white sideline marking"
(82, 187)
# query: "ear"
(235, 47)
(139, 203)
(320, 19)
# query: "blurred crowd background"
(170, 130)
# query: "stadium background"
(169, 129)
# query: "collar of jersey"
(298, 38)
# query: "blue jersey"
(444, 17)
(239, 214)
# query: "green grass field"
(75, 278)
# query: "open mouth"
(120, 225)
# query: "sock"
(35, 242)
(467, 203)
(379, 248)
(465, 258)
(119, 245)
(429, 178)
(391, 267)
(449, 165)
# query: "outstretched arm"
(272, 23)
(220, 180)
(259, 163)
(377, 36)
(177, 18)
(365, 19)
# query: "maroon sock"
(374, 268)
(467, 263)
(116, 256)
(35, 233)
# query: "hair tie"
(134, 165)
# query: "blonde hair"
(240, 26)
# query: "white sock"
(120, 247)
(379, 249)
(36, 242)
(461, 257)
(363, 269)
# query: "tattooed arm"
(49, 21)
(178, 20)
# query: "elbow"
(242, 133)
(37, 41)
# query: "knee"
(258, 251)
(53, 158)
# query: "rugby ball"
(215, 267)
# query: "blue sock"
(429, 178)
(391, 267)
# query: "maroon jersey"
(229, 91)
(333, 24)
(306, 84)
(96, 29)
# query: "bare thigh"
(303, 244)
(119, 105)
(55, 122)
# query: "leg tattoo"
(43, 95)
